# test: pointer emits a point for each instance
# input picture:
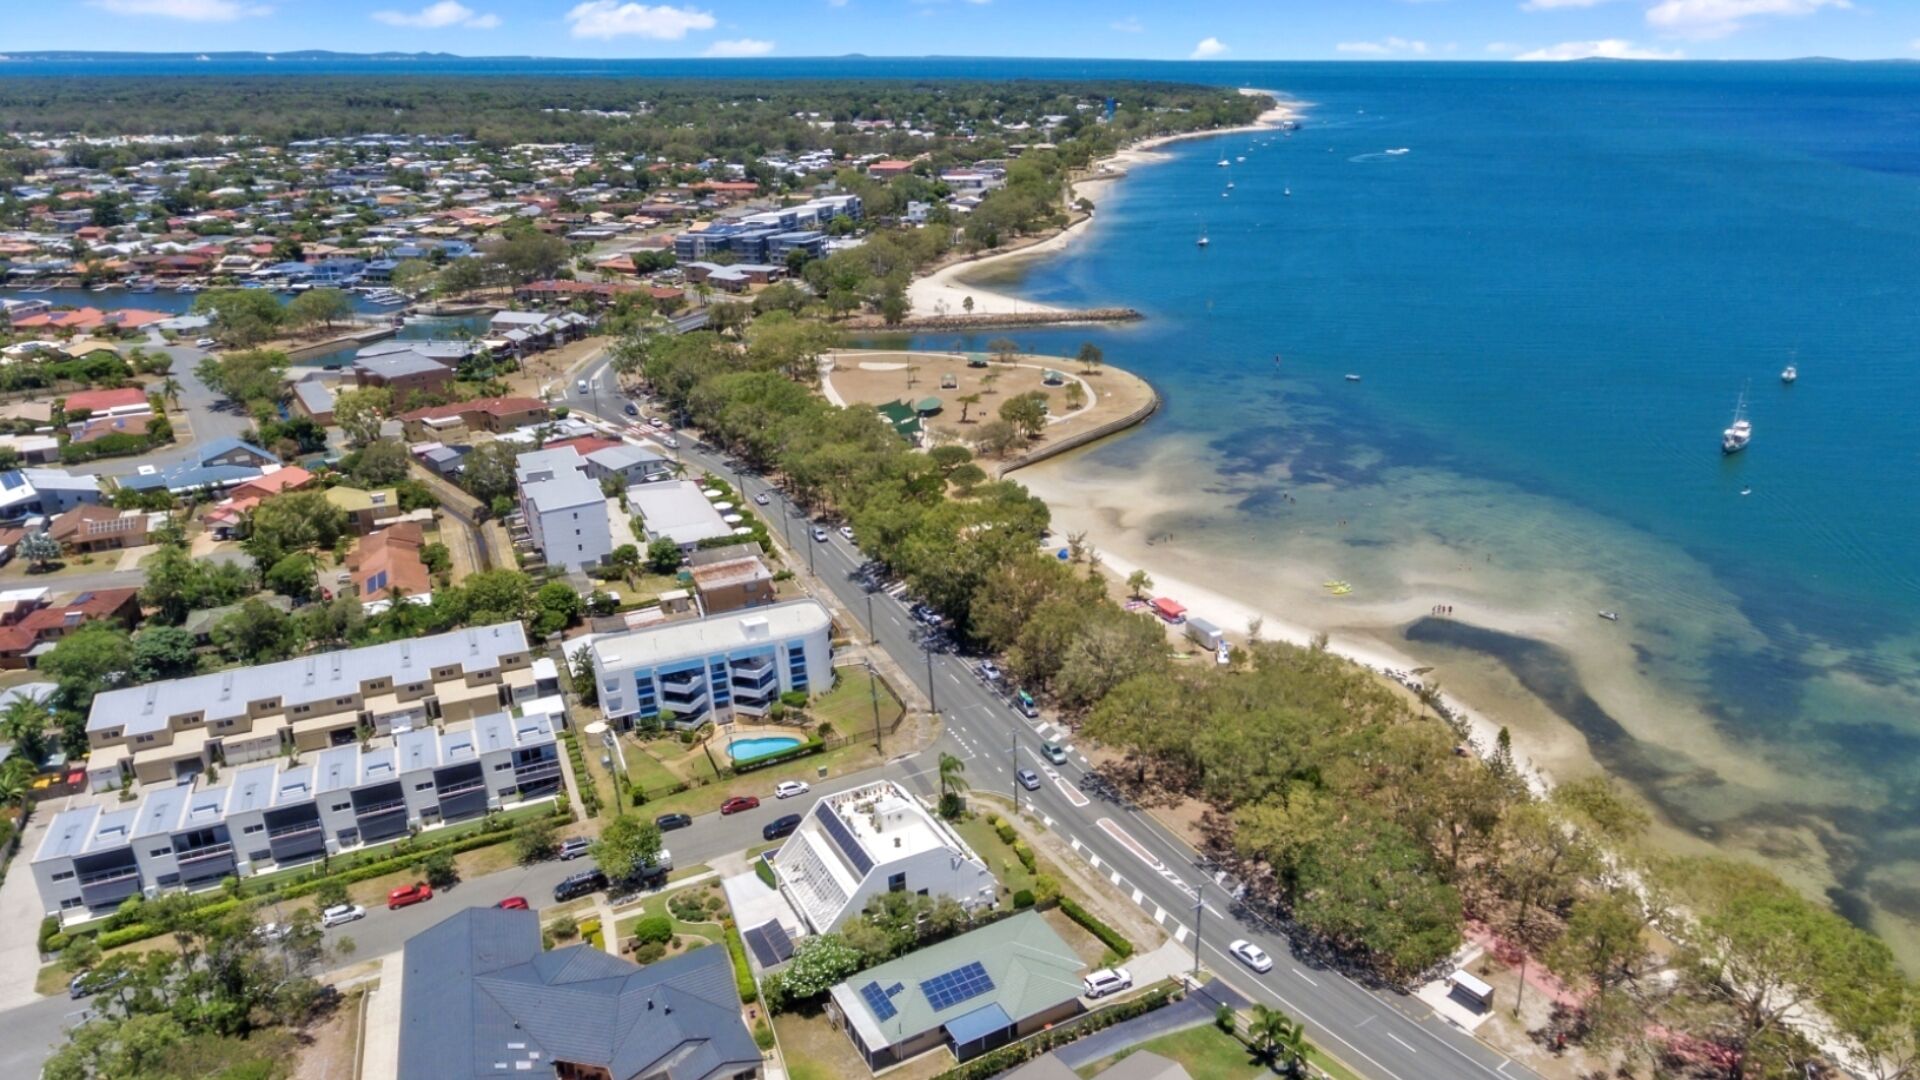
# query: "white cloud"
(1718, 18)
(1383, 47)
(606, 20)
(1207, 49)
(189, 10)
(437, 16)
(740, 47)
(1609, 49)
(1550, 5)
(1129, 25)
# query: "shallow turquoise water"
(749, 749)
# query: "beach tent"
(1171, 610)
(927, 406)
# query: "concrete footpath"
(380, 1057)
(1197, 1008)
(20, 915)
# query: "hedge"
(1004, 830)
(582, 779)
(653, 928)
(1024, 853)
(1108, 935)
(995, 1062)
(764, 871)
(813, 745)
(742, 973)
(1023, 899)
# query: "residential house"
(733, 584)
(243, 497)
(87, 528)
(125, 401)
(387, 563)
(411, 369)
(565, 510)
(313, 399)
(626, 464)
(736, 664)
(26, 493)
(25, 640)
(481, 998)
(366, 510)
(211, 465)
(495, 415)
(676, 511)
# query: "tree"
(967, 401)
(170, 389)
(953, 784)
(293, 521)
(664, 556)
(24, 723)
(535, 841)
(529, 256)
(97, 656)
(819, 963)
(487, 472)
(1004, 349)
(966, 304)
(39, 549)
(381, 463)
(293, 576)
(996, 438)
(256, 633)
(498, 596)
(439, 869)
(324, 306)
(1139, 584)
(1027, 412)
(242, 317)
(1604, 945)
(359, 412)
(626, 847)
(255, 376)
(1090, 356)
(163, 652)
(559, 606)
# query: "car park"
(819, 534)
(780, 826)
(513, 903)
(1107, 981)
(738, 804)
(1251, 955)
(787, 789)
(574, 886)
(1054, 752)
(1028, 779)
(669, 822)
(342, 914)
(575, 847)
(408, 895)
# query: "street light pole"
(1014, 733)
(1199, 912)
(932, 702)
(873, 691)
(873, 628)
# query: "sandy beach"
(946, 290)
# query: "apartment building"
(738, 663)
(284, 812)
(565, 510)
(854, 845)
(164, 732)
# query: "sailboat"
(1740, 432)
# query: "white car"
(205, 343)
(847, 531)
(341, 914)
(787, 789)
(581, 386)
(761, 499)
(671, 441)
(819, 534)
(1107, 981)
(272, 933)
(1251, 955)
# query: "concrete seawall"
(1084, 438)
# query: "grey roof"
(543, 464)
(448, 351)
(305, 679)
(1146, 1065)
(480, 999)
(314, 394)
(678, 511)
(565, 491)
(622, 457)
(399, 365)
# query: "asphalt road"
(210, 416)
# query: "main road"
(1384, 1034)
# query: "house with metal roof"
(480, 998)
(969, 994)
(216, 463)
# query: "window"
(342, 806)
(143, 739)
(897, 883)
(72, 902)
(64, 875)
(503, 766)
(424, 785)
(161, 852)
(251, 829)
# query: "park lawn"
(849, 705)
(1207, 1051)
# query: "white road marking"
(1180, 935)
(1159, 914)
(1139, 897)
(1402, 1042)
(1304, 975)
(1075, 842)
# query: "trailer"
(1205, 634)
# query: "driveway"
(20, 915)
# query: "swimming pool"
(748, 749)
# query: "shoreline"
(944, 291)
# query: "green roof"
(928, 405)
(901, 415)
(1031, 968)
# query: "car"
(513, 903)
(671, 441)
(669, 822)
(581, 386)
(1023, 701)
(847, 531)
(739, 803)
(574, 848)
(205, 343)
(1054, 752)
(93, 982)
(408, 895)
(761, 499)
(990, 671)
(1028, 779)
(662, 860)
(342, 914)
(630, 409)
(1251, 955)
(656, 421)
(577, 885)
(819, 534)
(1107, 981)
(272, 933)
(787, 789)
(780, 826)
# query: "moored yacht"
(1790, 374)
(1740, 432)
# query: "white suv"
(786, 789)
(1107, 981)
(342, 913)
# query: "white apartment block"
(723, 665)
(564, 509)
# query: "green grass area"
(1207, 1051)
(840, 761)
(999, 856)
(685, 872)
(849, 705)
(645, 770)
(657, 905)
(262, 882)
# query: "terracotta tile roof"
(102, 400)
(498, 406)
(389, 558)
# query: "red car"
(739, 803)
(513, 903)
(407, 895)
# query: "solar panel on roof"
(770, 944)
(962, 983)
(878, 1001)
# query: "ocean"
(1554, 298)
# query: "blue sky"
(1156, 29)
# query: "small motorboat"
(1353, 378)
(1788, 376)
(1223, 163)
(1746, 491)
(1610, 616)
(1287, 192)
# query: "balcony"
(377, 809)
(476, 784)
(210, 851)
(680, 680)
(752, 669)
(108, 877)
(535, 773)
(299, 829)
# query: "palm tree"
(952, 783)
(1278, 1038)
(24, 722)
(16, 781)
(1292, 1048)
(170, 389)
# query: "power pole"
(932, 703)
(873, 691)
(1199, 912)
(1015, 750)
(873, 628)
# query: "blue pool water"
(749, 749)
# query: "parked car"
(631, 409)
(342, 914)
(990, 671)
(787, 789)
(94, 982)
(739, 803)
(1028, 779)
(408, 895)
(205, 343)
(780, 826)
(847, 531)
(513, 903)
(1107, 981)
(1054, 752)
(577, 885)
(662, 860)
(819, 534)
(1251, 955)
(575, 847)
(669, 822)
(761, 499)
(272, 933)
(1024, 702)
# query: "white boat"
(1288, 192)
(1202, 242)
(1398, 150)
(1242, 158)
(1740, 432)
(1790, 374)
(1610, 616)
(1223, 163)
(1353, 378)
